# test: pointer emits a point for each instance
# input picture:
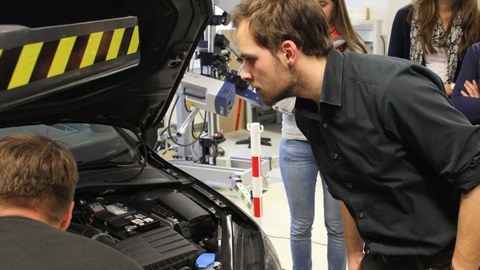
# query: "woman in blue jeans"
(299, 169)
(299, 173)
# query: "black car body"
(99, 76)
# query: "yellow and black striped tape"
(22, 65)
(244, 194)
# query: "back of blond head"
(37, 173)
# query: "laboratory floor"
(276, 219)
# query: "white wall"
(379, 9)
(382, 10)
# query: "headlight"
(253, 250)
(271, 258)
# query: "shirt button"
(349, 185)
(336, 156)
(325, 125)
(361, 215)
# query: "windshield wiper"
(106, 161)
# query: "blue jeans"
(299, 172)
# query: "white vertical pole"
(255, 142)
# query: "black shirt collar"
(331, 89)
(332, 79)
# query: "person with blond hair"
(37, 184)
(377, 127)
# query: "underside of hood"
(109, 62)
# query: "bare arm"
(354, 242)
(467, 247)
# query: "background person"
(466, 95)
(37, 183)
(299, 169)
(376, 125)
(436, 34)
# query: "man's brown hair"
(37, 173)
(274, 21)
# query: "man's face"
(272, 78)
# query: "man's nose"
(245, 74)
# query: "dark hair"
(274, 21)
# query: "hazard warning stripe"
(60, 60)
(257, 207)
(91, 49)
(77, 53)
(103, 47)
(46, 56)
(244, 195)
(24, 68)
(40, 60)
(117, 37)
(135, 41)
(127, 36)
(7, 64)
(255, 166)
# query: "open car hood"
(115, 62)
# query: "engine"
(160, 228)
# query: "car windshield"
(91, 144)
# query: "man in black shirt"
(402, 160)
(37, 183)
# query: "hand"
(448, 88)
(354, 261)
(471, 89)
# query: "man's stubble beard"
(287, 91)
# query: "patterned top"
(440, 39)
(400, 39)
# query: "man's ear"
(67, 218)
(290, 51)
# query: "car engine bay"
(159, 228)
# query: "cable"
(204, 117)
(187, 108)
(194, 155)
(288, 238)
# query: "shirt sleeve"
(470, 71)
(399, 45)
(417, 113)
